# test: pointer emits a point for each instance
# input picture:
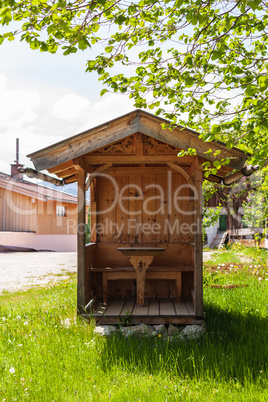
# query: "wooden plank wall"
(49, 223)
(107, 255)
(18, 212)
(143, 200)
(21, 213)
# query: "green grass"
(44, 358)
(238, 253)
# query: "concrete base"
(39, 242)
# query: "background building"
(34, 216)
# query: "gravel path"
(22, 270)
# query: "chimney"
(14, 166)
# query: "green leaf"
(83, 44)
(217, 164)
(109, 49)
(50, 29)
(189, 81)
(34, 44)
(103, 91)
(44, 47)
(254, 4)
(230, 144)
(215, 129)
(188, 60)
(250, 90)
(263, 82)
(55, 18)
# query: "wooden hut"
(145, 257)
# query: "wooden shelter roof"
(62, 158)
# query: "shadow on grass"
(233, 347)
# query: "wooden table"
(141, 258)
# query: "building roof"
(34, 190)
(63, 153)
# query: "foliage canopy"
(199, 63)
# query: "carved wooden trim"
(125, 146)
(156, 147)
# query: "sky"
(46, 98)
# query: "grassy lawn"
(46, 355)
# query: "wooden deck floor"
(155, 311)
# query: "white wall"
(211, 233)
(213, 230)
(39, 242)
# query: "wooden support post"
(93, 211)
(198, 257)
(141, 263)
(81, 237)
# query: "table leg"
(141, 263)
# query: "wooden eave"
(58, 158)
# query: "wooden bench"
(173, 273)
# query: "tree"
(250, 193)
(202, 64)
(230, 197)
(256, 202)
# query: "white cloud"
(41, 116)
(46, 98)
(70, 107)
(17, 106)
(114, 105)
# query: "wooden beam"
(81, 236)
(93, 211)
(32, 173)
(198, 249)
(184, 138)
(139, 170)
(124, 126)
(181, 171)
(246, 171)
(81, 163)
(95, 173)
(139, 143)
(59, 168)
(67, 172)
(136, 159)
(86, 142)
(193, 166)
(89, 255)
(214, 179)
(71, 179)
